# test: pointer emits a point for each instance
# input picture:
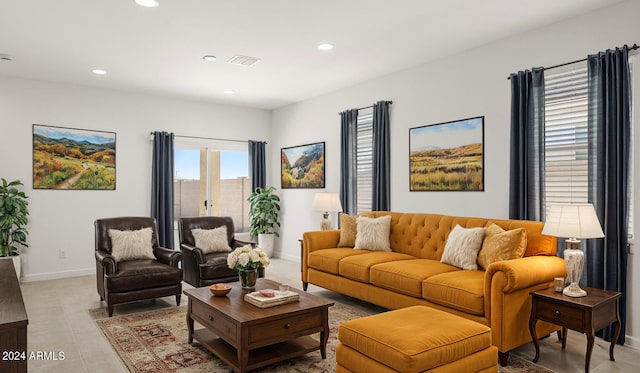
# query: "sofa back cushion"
(425, 235)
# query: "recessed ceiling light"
(99, 72)
(209, 57)
(325, 46)
(148, 3)
(229, 92)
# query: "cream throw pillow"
(373, 233)
(212, 240)
(502, 245)
(461, 249)
(348, 230)
(129, 245)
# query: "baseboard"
(632, 342)
(57, 275)
(291, 258)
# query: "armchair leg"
(305, 285)
(110, 309)
(503, 357)
(177, 299)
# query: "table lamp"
(326, 202)
(573, 222)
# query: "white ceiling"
(159, 50)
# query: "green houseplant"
(14, 217)
(264, 217)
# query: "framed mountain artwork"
(302, 166)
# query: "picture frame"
(303, 166)
(71, 158)
(447, 156)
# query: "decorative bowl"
(220, 290)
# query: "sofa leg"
(503, 357)
(110, 309)
(305, 285)
(177, 299)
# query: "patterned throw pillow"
(348, 230)
(130, 245)
(502, 245)
(373, 233)
(212, 240)
(461, 249)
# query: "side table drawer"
(285, 327)
(219, 325)
(559, 314)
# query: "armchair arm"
(316, 240)
(167, 256)
(193, 251)
(240, 243)
(107, 261)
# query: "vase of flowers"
(247, 260)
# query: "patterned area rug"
(156, 342)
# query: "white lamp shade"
(573, 221)
(326, 202)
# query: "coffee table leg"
(190, 323)
(324, 335)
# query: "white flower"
(264, 260)
(232, 260)
(254, 255)
(243, 259)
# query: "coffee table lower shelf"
(258, 357)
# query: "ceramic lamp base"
(574, 261)
(325, 223)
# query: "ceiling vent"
(5, 57)
(243, 61)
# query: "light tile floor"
(59, 321)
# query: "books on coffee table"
(280, 297)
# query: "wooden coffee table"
(248, 337)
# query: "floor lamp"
(573, 222)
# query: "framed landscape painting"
(69, 158)
(447, 156)
(302, 166)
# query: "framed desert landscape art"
(69, 158)
(447, 156)
(302, 166)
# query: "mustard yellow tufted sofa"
(412, 274)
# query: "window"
(364, 161)
(212, 180)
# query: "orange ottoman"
(415, 339)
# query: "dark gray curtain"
(257, 164)
(526, 191)
(381, 157)
(348, 127)
(609, 157)
(162, 186)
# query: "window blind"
(364, 161)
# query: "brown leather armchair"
(131, 280)
(200, 269)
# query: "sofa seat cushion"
(327, 260)
(406, 276)
(216, 266)
(357, 267)
(462, 290)
(142, 274)
(415, 339)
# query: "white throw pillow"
(212, 240)
(129, 245)
(462, 247)
(373, 233)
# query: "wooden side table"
(585, 315)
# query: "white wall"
(470, 84)
(63, 219)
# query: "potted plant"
(14, 216)
(264, 217)
(248, 261)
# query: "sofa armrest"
(507, 302)
(525, 272)
(107, 261)
(167, 256)
(240, 243)
(317, 240)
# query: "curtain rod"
(369, 107)
(632, 48)
(208, 138)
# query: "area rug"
(156, 342)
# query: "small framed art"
(302, 166)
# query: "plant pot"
(16, 264)
(265, 243)
(248, 278)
